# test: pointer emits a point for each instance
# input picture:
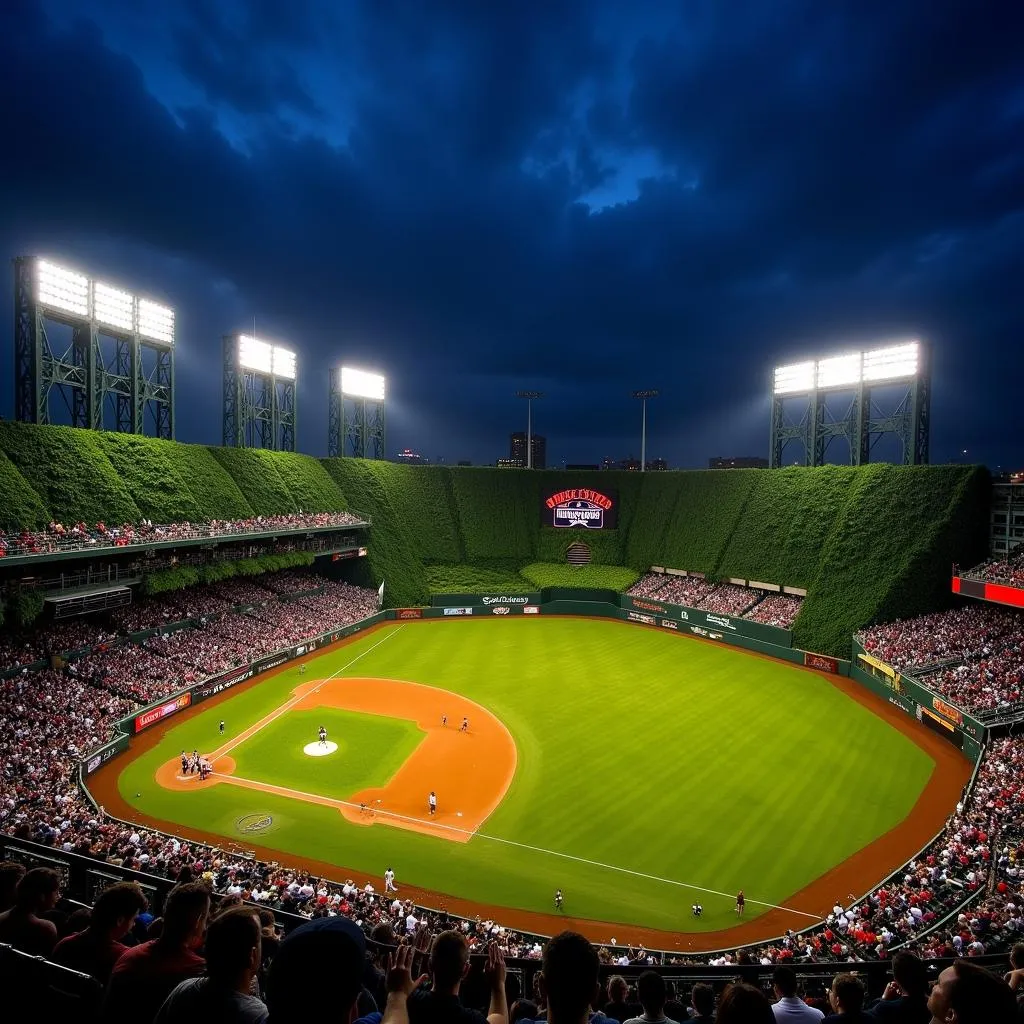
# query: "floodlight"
(156, 321)
(361, 384)
(895, 363)
(284, 363)
(839, 371)
(254, 354)
(113, 307)
(60, 288)
(794, 379)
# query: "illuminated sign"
(148, 718)
(580, 507)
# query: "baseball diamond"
(540, 793)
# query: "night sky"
(582, 198)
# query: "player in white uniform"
(323, 736)
(432, 802)
(389, 881)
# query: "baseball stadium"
(703, 718)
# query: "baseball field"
(638, 770)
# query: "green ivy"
(606, 577)
(25, 607)
(20, 506)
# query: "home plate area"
(319, 749)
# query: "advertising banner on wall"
(458, 611)
(582, 508)
(154, 715)
(730, 625)
(409, 613)
(822, 662)
(485, 600)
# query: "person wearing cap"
(449, 965)
(327, 949)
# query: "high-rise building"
(740, 462)
(538, 443)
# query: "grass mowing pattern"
(637, 749)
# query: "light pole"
(643, 396)
(529, 396)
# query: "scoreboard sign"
(580, 508)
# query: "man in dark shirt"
(24, 926)
(905, 1000)
(847, 1001)
(703, 1001)
(145, 975)
(449, 965)
(96, 949)
(618, 1006)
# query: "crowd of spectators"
(79, 536)
(776, 610)
(973, 656)
(722, 598)
(1008, 571)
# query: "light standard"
(643, 396)
(529, 396)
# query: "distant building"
(740, 462)
(630, 465)
(656, 465)
(608, 462)
(465, 462)
(510, 464)
(408, 457)
(582, 465)
(538, 443)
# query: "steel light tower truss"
(356, 414)
(801, 410)
(259, 394)
(117, 372)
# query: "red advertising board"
(821, 662)
(148, 718)
(409, 613)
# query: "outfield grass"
(645, 759)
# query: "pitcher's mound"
(320, 749)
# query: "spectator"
(145, 975)
(968, 994)
(847, 1000)
(96, 949)
(11, 873)
(569, 980)
(905, 1000)
(233, 957)
(650, 988)
(449, 965)
(522, 1010)
(23, 926)
(744, 1004)
(703, 1001)
(617, 1006)
(317, 973)
(789, 1008)
(1015, 978)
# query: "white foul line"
(507, 842)
(277, 712)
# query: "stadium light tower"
(118, 371)
(530, 397)
(259, 394)
(811, 382)
(356, 414)
(643, 396)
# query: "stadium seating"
(974, 655)
(767, 607)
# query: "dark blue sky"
(581, 197)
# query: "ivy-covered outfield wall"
(871, 543)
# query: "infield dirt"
(845, 882)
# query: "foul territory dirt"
(406, 797)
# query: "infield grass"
(646, 760)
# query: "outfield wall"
(912, 696)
